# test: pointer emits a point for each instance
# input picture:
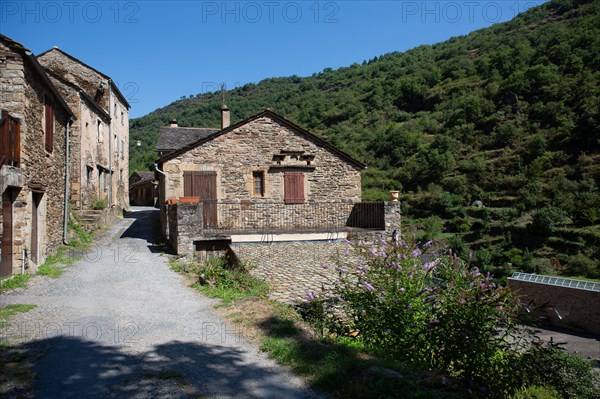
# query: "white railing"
(557, 281)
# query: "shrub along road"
(120, 323)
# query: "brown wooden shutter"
(4, 139)
(49, 118)
(188, 184)
(16, 144)
(293, 187)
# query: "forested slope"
(508, 115)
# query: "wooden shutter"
(49, 131)
(188, 185)
(293, 187)
(14, 129)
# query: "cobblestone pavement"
(295, 269)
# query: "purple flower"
(429, 266)
(311, 296)
(427, 244)
(360, 268)
(373, 252)
(368, 287)
(402, 289)
(416, 253)
(325, 266)
(429, 298)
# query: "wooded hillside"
(508, 115)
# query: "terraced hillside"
(506, 118)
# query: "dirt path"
(120, 323)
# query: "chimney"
(225, 117)
(173, 123)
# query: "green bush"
(546, 220)
(440, 314)
(581, 265)
(433, 227)
(568, 374)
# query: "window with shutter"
(49, 125)
(293, 187)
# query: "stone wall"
(184, 225)
(392, 222)
(22, 94)
(293, 269)
(578, 309)
(254, 147)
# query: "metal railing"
(269, 217)
(557, 281)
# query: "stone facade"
(32, 192)
(270, 146)
(143, 189)
(259, 145)
(99, 137)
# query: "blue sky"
(158, 51)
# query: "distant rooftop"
(173, 138)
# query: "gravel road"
(120, 324)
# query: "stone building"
(100, 135)
(264, 158)
(34, 127)
(263, 175)
(143, 188)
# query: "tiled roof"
(174, 138)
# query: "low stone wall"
(566, 307)
(392, 221)
(293, 269)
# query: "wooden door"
(206, 183)
(35, 241)
(6, 262)
(203, 185)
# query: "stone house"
(100, 134)
(263, 158)
(143, 188)
(34, 129)
(262, 175)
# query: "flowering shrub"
(430, 310)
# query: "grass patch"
(215, 279)
(6, 312)
(338, 366)
(55, 264)
(14, 281)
